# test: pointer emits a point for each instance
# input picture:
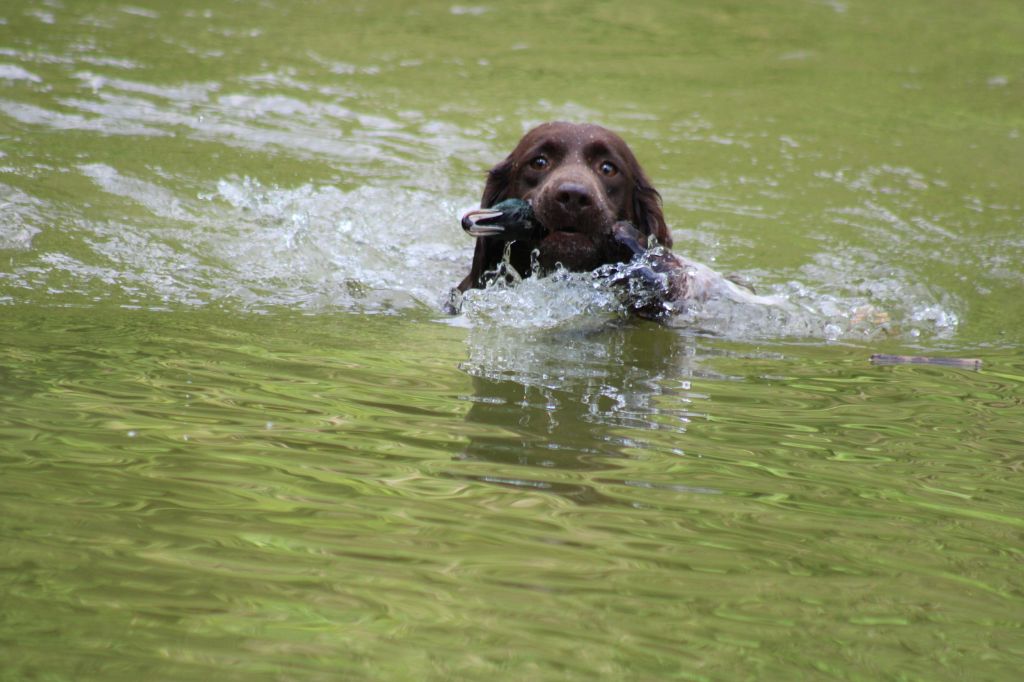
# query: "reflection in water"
(578, 397)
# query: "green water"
(239, 441)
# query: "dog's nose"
(573, 196)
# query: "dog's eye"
(539, 163)
(608, 168)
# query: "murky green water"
(239, 441)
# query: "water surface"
(239, 438)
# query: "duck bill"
(472, 219)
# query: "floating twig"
(883, 359)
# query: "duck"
(652, 281)
(510, 220)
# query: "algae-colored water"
(240, 441)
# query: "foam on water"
(561, 300)
(315, 248)
(370, 248)
(570, 332)
(868, 309)
(22, 218)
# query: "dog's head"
(580, 179)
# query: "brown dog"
(580, 180)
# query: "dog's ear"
(499, 183)
(481, 257)
(647, 208)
